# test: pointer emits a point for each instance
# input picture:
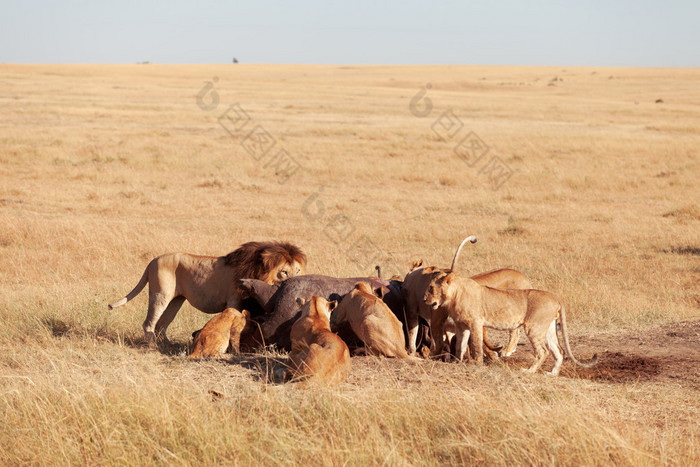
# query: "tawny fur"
(209, 283)
(413, 290)
(221, 331)
(503, 279)
(372, 321)
(473, 307)
(317, 353)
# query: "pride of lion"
(457, 310)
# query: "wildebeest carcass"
(281, 309)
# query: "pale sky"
(567, 32)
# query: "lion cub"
(372, 320)
(221, 331)
(316, 351)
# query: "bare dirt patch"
(666, 353)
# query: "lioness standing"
(416, 284)
(473, 306)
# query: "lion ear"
(416, 264)
(332, 305)
(379, 292)
(245, 314)
(362, 287)
(449, 277)
(300, 301)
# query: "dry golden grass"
(104, 167)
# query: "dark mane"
(256, 259)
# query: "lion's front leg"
(462, 337)
(235, 341)
(412, 325)
(477, 342)
(437, 331)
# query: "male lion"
(221, 331)
(209, 283)
(317, 352)
(473, 306)
(372, 321)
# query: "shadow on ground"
(269, 370)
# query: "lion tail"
(592, 362)
(137, 290)
(471, 238)
(490, 346)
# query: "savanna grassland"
(104, 167)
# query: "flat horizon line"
(354, 65)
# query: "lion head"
(317, 307)
(437, 292)
(270, 262)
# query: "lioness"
(372, 321)
(473, 306)
(415, 284)
(413, 290)
(221, 331)
(209, 283)
(496, 279)
(316, 351)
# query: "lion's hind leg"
(538, 344)
(168, 316)
(553, 344)
(512, 343)
(157, 304)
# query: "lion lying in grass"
(209, 283)
(372, 321)
(221, 331)
(473, 307)
(318, 353)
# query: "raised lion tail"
(472, 239)
(139, 287)
(592, 362)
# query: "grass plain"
(104, 167)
